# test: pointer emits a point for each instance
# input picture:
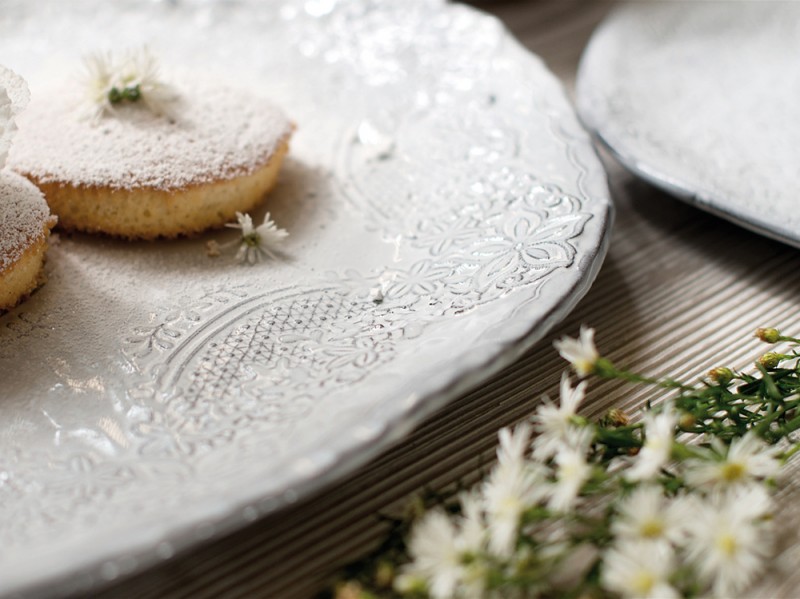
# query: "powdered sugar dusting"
(23, 214)
(219, 133)
(14, 97)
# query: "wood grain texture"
(679, 293)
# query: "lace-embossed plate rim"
(698, 98)
(161, 397)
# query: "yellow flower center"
(727, 545)
(733, 471)
(251, 240)
(583, 366)
(642, 583)
(652, 529)
(510, 505)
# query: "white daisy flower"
(472, 540)
(97, 83)
(748, 458)
(553, 421)
(140, 71)
(513, 486)
(507, 493)
(581, 353)
(514, 444)
(435, 555)
(473, 528)
(257, 241)
(438, 547)
(639, 569)
(729, 539)
(572, 469)
(751, 502)
(647, 515)
(659, 430)
(110, 81)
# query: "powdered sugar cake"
(25, 224)
(141, 174)
(25, 221)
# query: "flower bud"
(132, 93)
(768, 335)
(770, 360)
(686, 421)
(721, 375)
(415, 508)
(114, 95)
(410, 584)
(384, 574)
(350, 590)
(614, 418)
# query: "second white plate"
(700, 98)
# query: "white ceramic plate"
(153, 396)
(700, 98)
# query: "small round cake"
(25, 220)
(25, 224)
(153, 160)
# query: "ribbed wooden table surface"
(679, 293)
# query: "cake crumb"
(212, 249)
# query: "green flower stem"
(681, 451)
(773, 414)
(623, 436)
(769, 383)
(758, 404)
(791, 426)
(536, 513)
(788, 454)
(606, 369)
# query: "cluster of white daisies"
(668, 519)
